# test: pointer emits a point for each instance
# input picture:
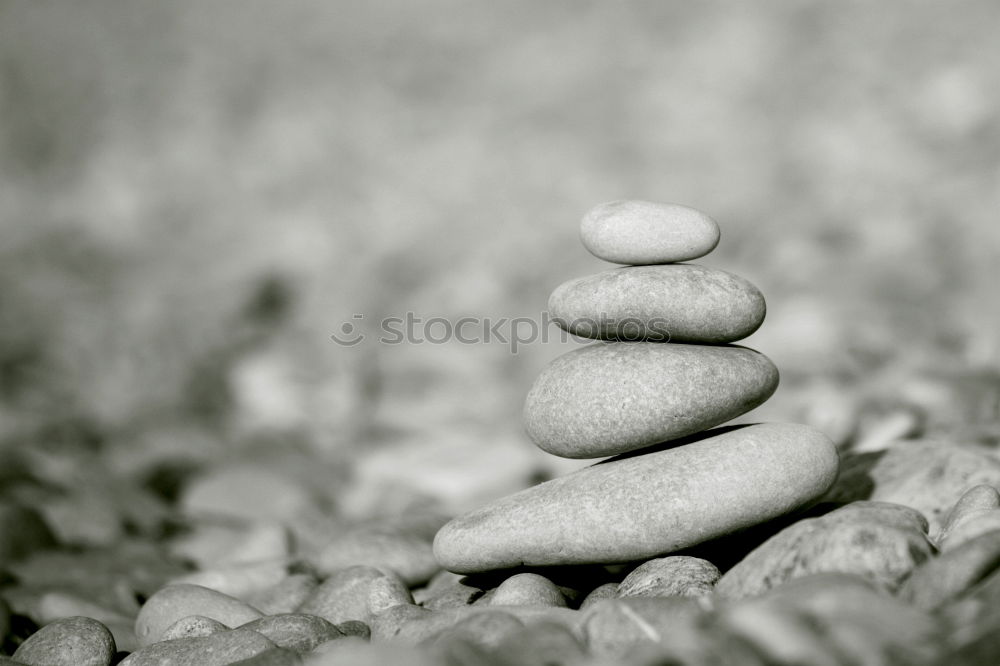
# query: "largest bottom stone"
(647, 503)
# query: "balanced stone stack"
(662, 374)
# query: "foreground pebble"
(613, 626)
(682, 303)
(643, 232)
(638, 507)
(73, 641)
(610, 398)
(950, 574)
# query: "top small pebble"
(639, 233)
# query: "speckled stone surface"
(609, 398)
(649, 503)
(642, 232)
(673, 303)
(71, 641)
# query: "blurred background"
(195, 196)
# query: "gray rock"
(390, 548)
(273, 657)
(642, 232)
(528, 589)
(605, 591)
(449, 592)
(541, 643)
(238, 580)
(355, 628)
(174, 602)
(812, 619)
(413, 624)
(610, 398)
(871, 539)
(285, 596)
(385, 593)
(295, 631)
(356, 652)
(193, 626)
(971, 528)
(677, 576)
(640, 506)
(941, 579)
(250, 492)
(674, 303)
(218, 649)
(613, 626)
(929, 475)
(72, 641)
(344, 595)
(974, 514)
(485, 629)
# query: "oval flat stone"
(675, 303)
(610, 398)
(642, 232)
(639, 506)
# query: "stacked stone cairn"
(662, 373)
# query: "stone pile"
(662, 373)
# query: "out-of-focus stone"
(22, 531)
(285, 596)
(976, 501)
(613, 626)
(273, 657)
(538, 644)
(238, 580)
(942, 579)
(213, 545)
(249, 492)
(193, 626)
(407, 554)
(387, 592)
(485, 629)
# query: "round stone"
(642, 232)
(675, 303)
(640, 506)
(71, 641)
(610, 398)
